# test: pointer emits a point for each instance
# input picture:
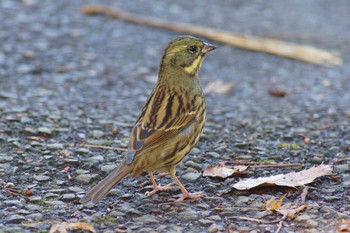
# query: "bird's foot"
(159, 189)
(191, 196)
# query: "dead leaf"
(219, 87)
(272, 204)
(223, 171)
(292, 179)
(64, 226)
(291, 210)
(343, 225)
(277, 92)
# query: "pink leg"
(157, 188)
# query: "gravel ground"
(68, 79)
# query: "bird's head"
(186, 54)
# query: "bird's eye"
(192, 49)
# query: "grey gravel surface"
(68, 79)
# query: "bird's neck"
(180, 80)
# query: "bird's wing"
(159, 121)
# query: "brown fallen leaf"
(277, 92)
(290, 210)
(272, 204)
(343, 225)
(223, 171)
(292, 179)
(219, 87)
(62, 227)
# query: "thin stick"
(272, 46)
(256, 220)
(277, 165)
(104, 147)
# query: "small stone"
(13, 203)
(34, 198)
(45, 130)
(242, 200)
(193, 165)
(191, 176)
(215, 228)
(195, 150)
(205, 222)
(95, 159)
(68, 197)
(213, 154)
(83, 151)
(41, 178)
(35, 216)
(33, 207)
(54, 203)
(86, 178)
(55, 146)
(215, 218)
(16, 218)
(188, 215)
(97, 133)
(108, 168)
(341, 168)
(76, 189)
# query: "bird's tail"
(102, 188)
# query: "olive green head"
(186, 54)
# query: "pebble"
(341, 168)
(68, 197)
(108, 168)
(97, 133)
(94, 159)
(205, 222)
(191, 176)
(35, 216)
(45, 130)
(55, 146)
(86, 178)
(13, 203)
(215, 228)
(34, 199)
(83, 151)
(41, 178)
(15, 218)
(33, 207)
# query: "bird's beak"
(207, 48)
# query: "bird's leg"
(185, 193)
(157, 188)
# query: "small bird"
(170, 122)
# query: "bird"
(169, 124)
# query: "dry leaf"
(292, 179)
(343, 225)
(219, 87)
(277, 92)
(223, 171)
(291, 210)
(272, 204)
(62, 227)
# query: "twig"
(304, 194)
(267, 45)
(242, 162)
(259, 165)
(104, 147)
(277, 165)
(257, 220)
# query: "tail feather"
(102, 188)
